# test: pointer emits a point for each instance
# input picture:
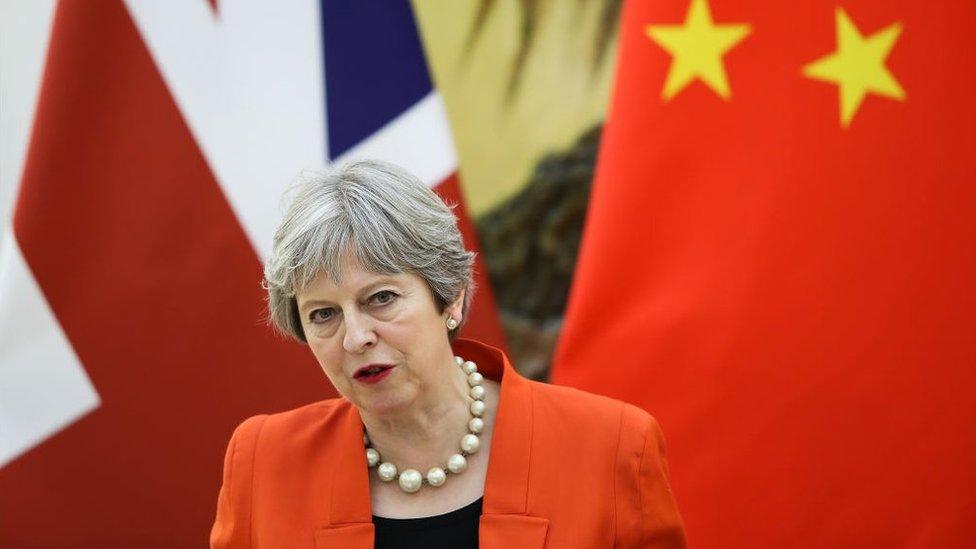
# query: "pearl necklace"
(411, 480)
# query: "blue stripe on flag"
(374, 67)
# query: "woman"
(435, 441)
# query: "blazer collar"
(504, 520)
(506, 487)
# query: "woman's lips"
(374, 373)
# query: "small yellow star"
(697, 48)
(857, 67)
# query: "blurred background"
(526, 85)
(754, 220)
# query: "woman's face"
(371, 321)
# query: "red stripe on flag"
(482, 321)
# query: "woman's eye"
(384, 297)
(321, 315)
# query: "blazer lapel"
(505, 522)
(350, 516)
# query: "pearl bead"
(387, 471)
(436, 476)
(477, 392)
(477, 408)
(475, 378)
(470, 443)
(410, 480)
(372, 457)
(456, 463)
(458, 360)
(469, 367)
(476, 425)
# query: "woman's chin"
(389, 402)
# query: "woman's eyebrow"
(380, 282)
(313, 302)
(363, 291)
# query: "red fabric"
(792, 298)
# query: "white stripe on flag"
(43, 386)
(419, 140)
(249, 84)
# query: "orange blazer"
(567, 469)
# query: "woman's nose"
(360, 333)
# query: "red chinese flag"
(779, 264)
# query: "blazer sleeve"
(647, 515)
(232, 527)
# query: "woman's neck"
(426, 433)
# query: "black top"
(455, 530)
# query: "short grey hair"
(388, 218)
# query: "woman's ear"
(456, 309)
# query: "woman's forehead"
(353, 279)
(347, 266)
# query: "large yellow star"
(697, 48)
(857, 67)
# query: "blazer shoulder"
(624, 429)
(575, 402)
(282, 431)
(316, 411)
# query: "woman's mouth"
(374, 373)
